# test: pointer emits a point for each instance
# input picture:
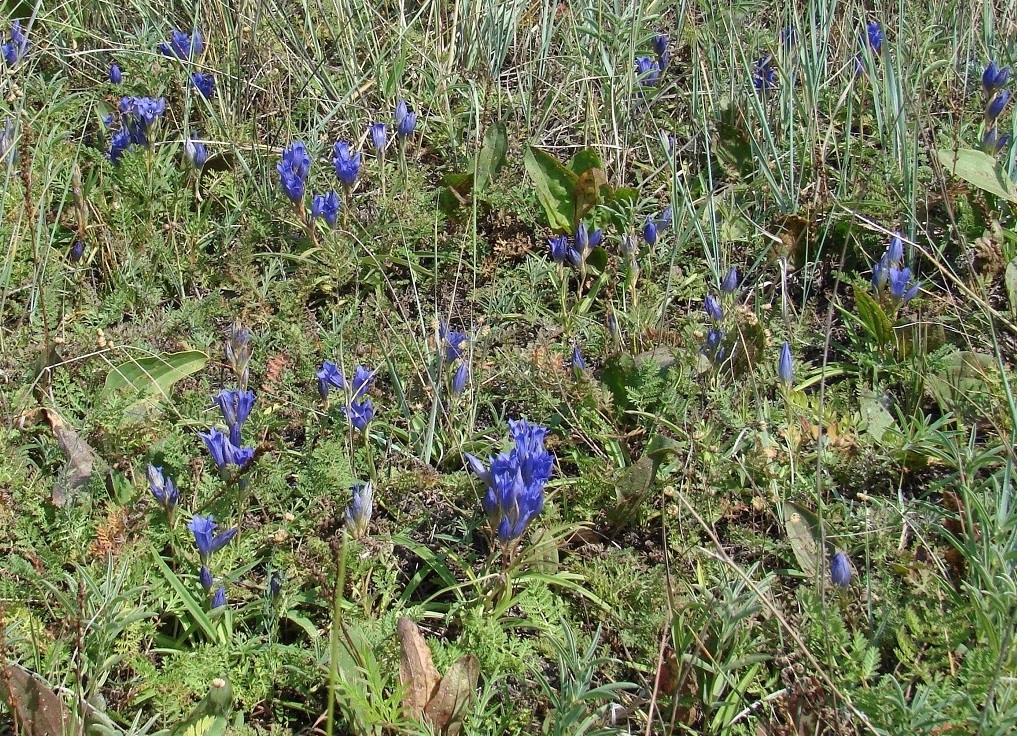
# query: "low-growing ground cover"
(508, 368)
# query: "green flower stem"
(337, 606)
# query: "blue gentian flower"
(585, 241)
(77, 250)
(162, 488)
(664, 221)
(119, 143)
(235, 406)
(115, 75)
(358, 513)
(347, 164)
(184, 46)
(895, 252)
(455, 343)
(275, 583)
(560, 247)
(764, 74)
(994, 78)
(515, 481)
(141, 113)
(578, 363)
(996, 106)
(712, 306)
(660, 48)
(379, 136)
(647, 70)
(15, 49)
(785, 366)
(899, 278)
(195, 151)
(205, 578)
(880, 271)
(406, 121)
(650, 232)
(207, 541)
(359, 413)
(362, 378)
(223, 451)
(204, 83)
(326, 206)
(713, 340)
(840, 570)
(730, 282)
(874, 36)
(219, 599)
(329, 376)
(461, 377)
(293, 170)
(993, 143)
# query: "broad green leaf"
(555, 186)
(455, 192)
(980, 170)
(585, 160)
(802, 527)
(877, 418)
(492, 154)
(154, 374)
(963, 382)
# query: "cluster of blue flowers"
(208, 540)
(184, 46)
(997, 97)
(888, 275)
(648, 69)
(576, 249)
(515, 481)
(138, 116)
(15, 49)
(713, 347)
(227, 449)
(358, 407)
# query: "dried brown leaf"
(416, 669)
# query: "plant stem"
(333, 659)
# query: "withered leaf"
(39, 710)
(416, 670)
(588, 191)
(81, 458)
(447, 707)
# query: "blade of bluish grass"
(193, 607)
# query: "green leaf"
(492, 154)
(193, 606)
(155, 374)
(980, 170)
(585, 160)
(962, 383)
(555, 186)
(877, 419)
(872, 316)
(802, 527)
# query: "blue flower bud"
(712, 306)
(996, 106)
(206, 540)
(115, 75)
(730, 282)
(559, 248)
(77, 250)
(650, 233)
(195, 151)
(15, 49)
(406, 121)
(840, 570)
(785, 368)
(379, 136)
(578, 363)
(993, 143)
(358, 513)
(219, 599)
(895, 253)
(994, 78)
(874, 35)
(205, 578)
(459, 380)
